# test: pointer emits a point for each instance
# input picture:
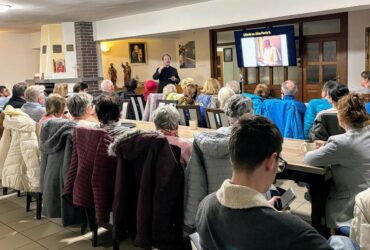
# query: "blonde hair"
(224, 94)
(61, 89)
(184, 82)
(352, 112)
(190, 94)
(55, 105)
(168, 89)
(262, 90)
(211, 87)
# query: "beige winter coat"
(360, 229)
(19, 152)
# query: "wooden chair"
(189, 112)
(162, 102)
(137, 105)
(216, 118)
(125, 106)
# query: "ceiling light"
(104, 47)
(4, 7)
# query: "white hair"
(166, 117)
(289, 87)
(78, 103)
(106, 86)
(224, 94)
(33, 93)
(234, 85)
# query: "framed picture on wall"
(44, 49)
(228, 54)
(137, 52)
(57, 48)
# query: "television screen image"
(266, 48)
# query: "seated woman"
(150, 87)
(208, 96)
(365, 82)
(130, 89)
(190, 95)
(349, 158)
(108, 110)
(185, 81)
(166, 120)
(61, 89)
(54, 108)
(170, 92)
(223, 95)
(322, 129)
(262, 90)
(81, 109)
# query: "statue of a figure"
(126, 72)
(112, 72)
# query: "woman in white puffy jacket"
(360, 228)
(19, 152)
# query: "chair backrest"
(125, 106)
(189, 112)
(137, 104)
(161, 102)
(216, 118)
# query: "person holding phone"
(166, 74)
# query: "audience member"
(80, 87)
(190, 95)
(61, 89)
(223, 95)
(4, 96)
(288, 90)
(166, 120)
(365, 82)
(107, 87)
(108, 109)
(348, 156)
(184, 82)
(81, 109)
(234, 85)
(130, 89)
(35, 98)
(314, 106)
(17, 100)
(322, 130)
(170, 92)
(208, 96)
(262, 90)
(150, 87)
(255, 151)
(76, 88)
(54, 108)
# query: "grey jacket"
(208, 167)
(56, 151)
(349, 157)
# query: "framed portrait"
(137, 52)
(69, 47)
(59, 66)
(187, 55)
(228, 54)
(44, 49)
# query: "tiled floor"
(20, 229)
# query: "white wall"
(214, 13)
(358, 21)
(18, 61)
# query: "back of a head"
(166, 117)
(107, 86)
(289, 87)
(365, 74)
(211, 87)
(337, 92)
(168, 89)
(224, 94)
(328, 86)
(131, 85)
(237, 106)
(61, 89)
(83, 86)
(76, 88)
(55, 105)
(33, 93)
(191, 93)
(185, 81)
(108, 109)
(252, 140)
(19, 89)
(78, 103)
(352, 112)
(2, 88)
(151, 86)
(262, 90)
(234, 85)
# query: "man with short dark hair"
(80, 87)
(4, 96)
(238, 216)
(166, 74)
(17, 100)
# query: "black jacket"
(164, 76)
(16, 102)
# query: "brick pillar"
(87, 61)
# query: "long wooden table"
(318, 178)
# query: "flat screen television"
(268, 47)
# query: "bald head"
(289, 88)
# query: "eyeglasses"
(281, 164)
